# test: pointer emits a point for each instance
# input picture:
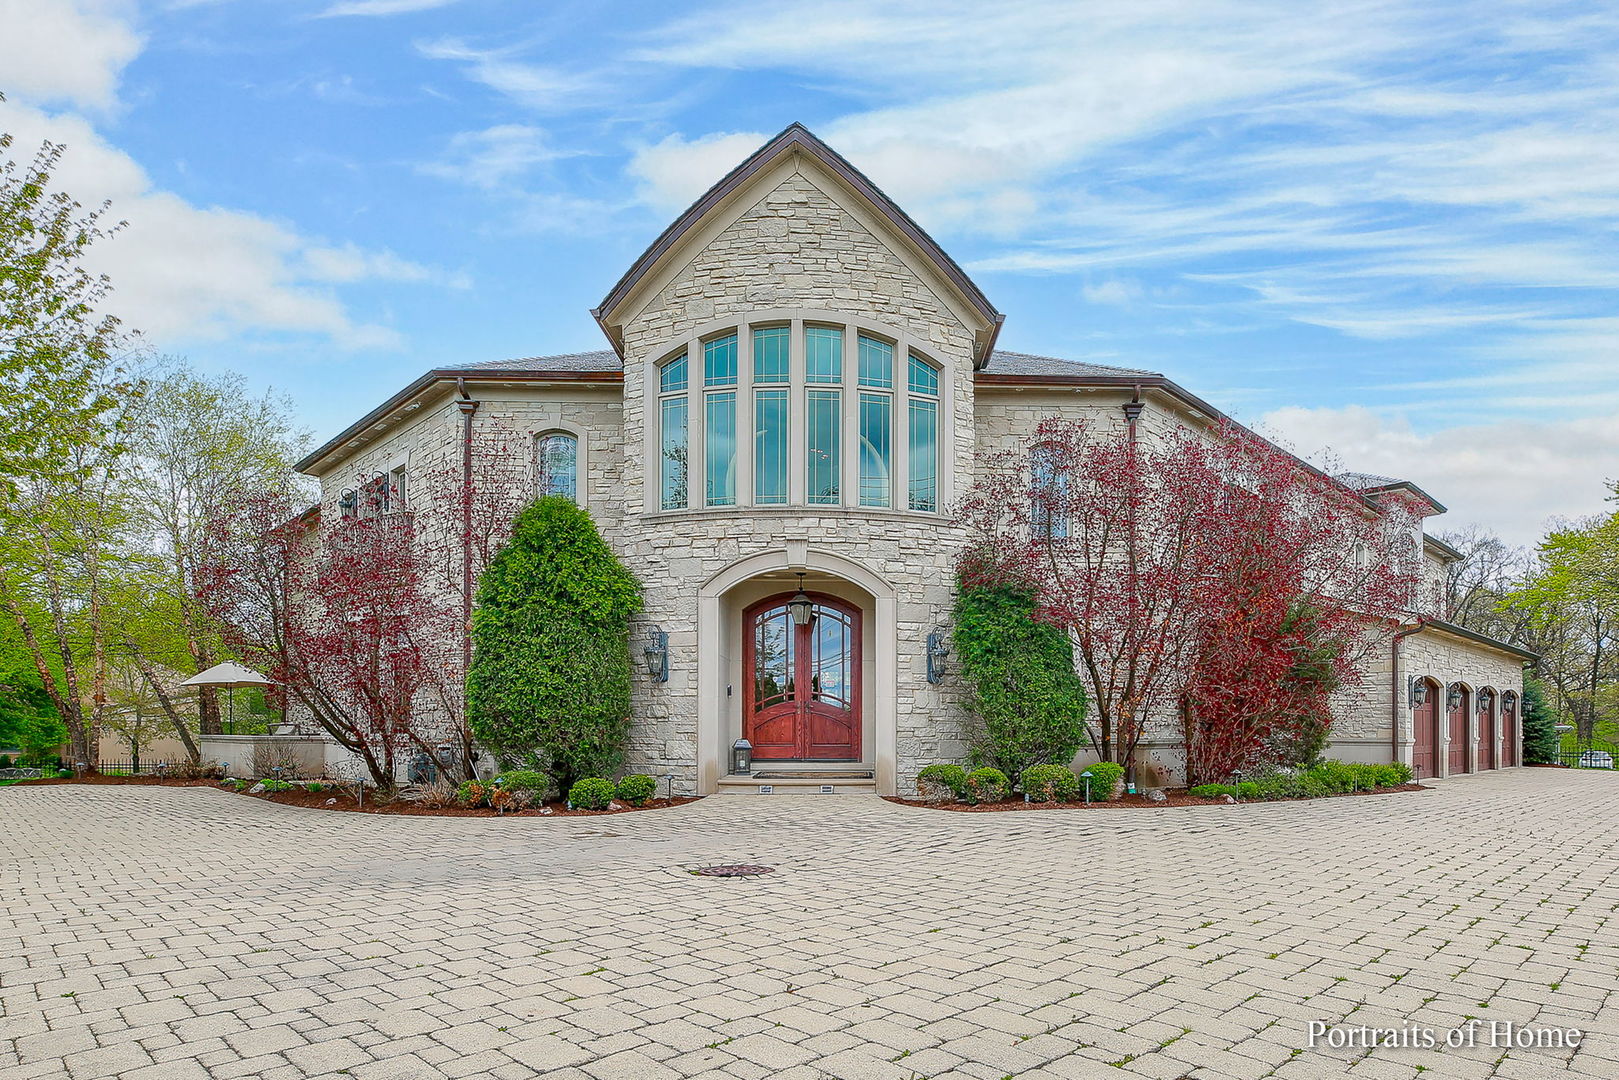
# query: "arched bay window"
(792, 412)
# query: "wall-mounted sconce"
(1486, 698)
(656, 652)
(1453, 697)
(938, 653)
(1417, 691)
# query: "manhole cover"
(733, 871)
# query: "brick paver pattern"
(172, 934)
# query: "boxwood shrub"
(1050, 783)
(987, 785)
(637, 790)
(1105, 777)
(939, 783)
(591, 793)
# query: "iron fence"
(130, 767)
(1594, 754)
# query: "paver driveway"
(167, 934)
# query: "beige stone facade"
(851, 504)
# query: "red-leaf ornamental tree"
(344, 622)
(1208, 577)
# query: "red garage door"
(1486, 730)
(1425, 730)
(1458, 734)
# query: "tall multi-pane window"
(875, 369)
(1048, 512)
(823, 354)
(923, 384)
(672, 447)
(819, 414)
(823, 445)
(719, 422)
(558, 471)
(769, 447)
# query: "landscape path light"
(1086, 776)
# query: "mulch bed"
(342, 800)
(1549, 765)
(1125, 802)
(345, 801)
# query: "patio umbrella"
(229, 676)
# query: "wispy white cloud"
(537, 86)
(382, 7)
(1510, 476)
(496, 155)
(673, 172)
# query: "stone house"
(795, 301)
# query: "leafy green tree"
(1540, 739)
(58, 377)
(28, 720)
(1026, 700)
(550, 680)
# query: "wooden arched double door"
(801, 684)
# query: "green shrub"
(550, 677)
(5, 761)
(1541, 743)
(531, 782)
(1212, 791)
(314, 787)
(1027, 704)
(591, 793)
(273, 785)
(1398, 773)
(938, 781)
(474, 793)
(987, 785)
(63, 774)
(1105, 778)
(637, 790)
(1050, 783)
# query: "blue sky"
(1384, 232)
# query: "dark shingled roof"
(1017, 363)
(1365, 481)
(596, 360)
(1001, 363)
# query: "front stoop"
(819, 782)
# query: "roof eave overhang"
(1430, 623)
(798, 139)
(385, 412)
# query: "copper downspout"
(1132, 413)
(1394, 668)
(468, 406)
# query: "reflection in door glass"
(831, 660)
(772, 659)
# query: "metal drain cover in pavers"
(733, 871)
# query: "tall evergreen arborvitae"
(1541, 742)
(550, 680)
(1027, 700)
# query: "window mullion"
(744, 437)
(797, 481)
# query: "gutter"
(469, 408)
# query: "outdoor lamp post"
(1086, 776)
(656, 652)
(742, 758)
(1417, 691)
(801, 607)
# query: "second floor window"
(810, 414)
(558, 460)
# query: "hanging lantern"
(801, 607)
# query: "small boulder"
(1228, 799)
(331, 802)
(256, 789)
(1156, 795)
(615, 806)
(546, 810)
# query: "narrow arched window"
(559, 465)
(1048, 494)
